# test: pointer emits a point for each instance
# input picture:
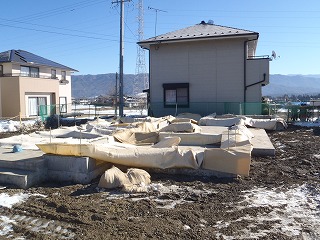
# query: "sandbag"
(138, 176)
(113, 178)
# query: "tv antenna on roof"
(155, 25)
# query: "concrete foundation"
(30, 167)
(74, 169)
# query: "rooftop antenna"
(155, 25)
(274, 55)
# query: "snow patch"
(8, 201)
(293, 212)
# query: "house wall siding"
(256, 68)
(214, 69)
(38, 85)
(10, 97)
(14, 89)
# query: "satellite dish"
(274, 55)
(210, 22)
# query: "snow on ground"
(9, 201)
(14, 126)
(162, 202)
(293, 212)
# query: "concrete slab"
(21, 178)
(25, 160)
(262, 145)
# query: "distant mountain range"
(87, 86)
(292, 85)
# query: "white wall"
(213, 69)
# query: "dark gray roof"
(198, 32)
(24, 57)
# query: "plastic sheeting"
(268, 124)
(193, 139)
(181, 127)
(143, 133)
(192, 116)
(134, 156)
(234, 160)
(223, 122)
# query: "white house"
(206, 68)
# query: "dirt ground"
(182, 207)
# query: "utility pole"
(116, 97)
(121, 102)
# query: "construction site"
(195, 151)
(215, 177)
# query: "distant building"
(206, 68)
(29, 83)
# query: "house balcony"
(257, 70)
(29, 75)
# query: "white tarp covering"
(268, 124)
(181, 127)
(223, 122)
(132, 156)
(193, 139)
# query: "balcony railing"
(29, 75)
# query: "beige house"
(30, 83)
(206, 68)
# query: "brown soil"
(86, 212)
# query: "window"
(53, 74)
(1, 70)
(37, 106)
(63, 75)
(63, 104)
(29, 71)
(176, 94)
(24, 71)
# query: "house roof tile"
(198, 32)
(24, 57)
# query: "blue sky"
(84, 34)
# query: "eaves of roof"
(200, 32)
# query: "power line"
(60, 28)
(65, 34)
(61, 10)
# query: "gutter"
(145, 44)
